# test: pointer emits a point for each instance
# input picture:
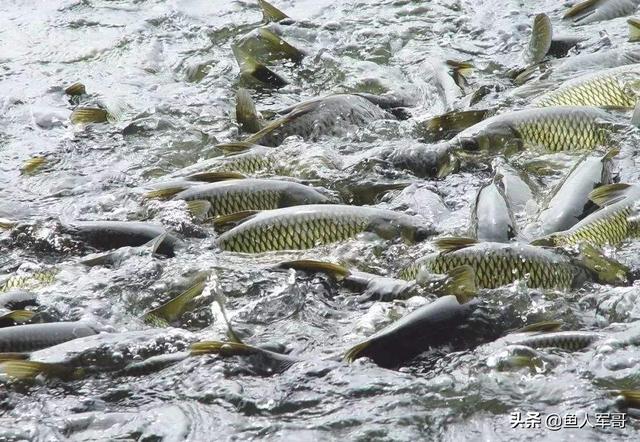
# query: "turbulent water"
(167, 67)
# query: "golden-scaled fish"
(305, 227)
(617, 220)
(498, 264)
(616, 87)
(559, 128)
(227, 197)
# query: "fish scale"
(611, 87)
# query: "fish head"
(491, 135)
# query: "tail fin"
(28, 370)
(281, 46)
(86, 115)
(173, 309)
(450, 124)
(246, 114)
(460, 71)
(251, 67)
(18, 316)
(540, 42)
(461, 283)
(355, 352)
(270, 13)
(199, 209)
(75, 89)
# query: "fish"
(569, 201)
(7, 224)
(616, 221)
(227, 197)
(592, 11)
(30, 281)
(498, 264)
(267, 361)
(460, 281)
(107, 235)
(492, 217)
(75, 89)
(30, 337)
(305, 227)
(331, 115)
(431, 325)
(90, 353)
(616, 87)
(561, 128)
(423, 160)
(18, 299)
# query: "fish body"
(570, 201)
(592, 11)
(305, 227)
(30, 337)
(107, 235)
(234, 196)
(331, 115)
(429, 326)
(566, 340)
(249, 162)
(616, 87)
(561, 128)
(433, 161)
(516, 186)
(498, 264)
(615, 222)
(492, 218)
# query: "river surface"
(168, 69)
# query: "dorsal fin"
(166, 192)
(281, 45)
(579, 8)
(86, 115)
(543, 326)
(609, 194)
(234, 148)
(296, 112)
(270, 13)
(225, 221)
(460, 71)
(214, 177)
(540, 42)
(247, 116)
(452, 243)
(334, 270)
(18, 316)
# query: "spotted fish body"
(234, 196)
(612, 87)
(305, 227)
(562, 128)
(612, 224)
(566, 340)
(324, 116)
(497, 264)
(31, 281)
